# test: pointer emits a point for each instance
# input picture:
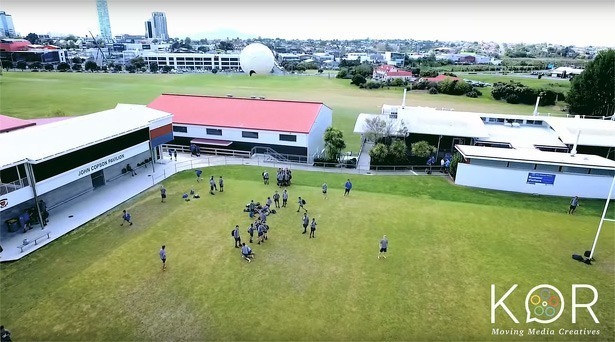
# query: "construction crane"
(104, 61)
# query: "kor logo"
(545, 303)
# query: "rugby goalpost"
(602, 219)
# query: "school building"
(63, 160)
(532, 154)
(293, 130)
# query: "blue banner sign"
(540, 178)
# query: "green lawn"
(31, 95)
(447, 246)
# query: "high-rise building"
(158, 23)
(6, 25)
(103, 20)
(149, 29)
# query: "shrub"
(512, 98)
(433, 90)
(371, 84)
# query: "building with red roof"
(289, 127)
(9, 123)
(391, 72)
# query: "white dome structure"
(256, 59)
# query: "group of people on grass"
(259, 214)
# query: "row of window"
(244, 134)
(540, 167)
(510, 121)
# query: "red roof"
(8, 123)
(440, 78)
(241, 113)
(400, 73)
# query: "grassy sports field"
(42, 94)
(447, 246)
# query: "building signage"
(101, 164)
(540, 178)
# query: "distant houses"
(390, 72)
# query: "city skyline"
(558, 22)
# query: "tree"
(131, 68)
(422, 149)
(90, 66)
(6, 64)
(365, 70)
(22, 65)
(203, 48)
(137, 62)
(398, 151)
(358, 80)
(457, 158)
(187, 41)
(32, 38)
(593, 91)
(153, 67)
(379, 154)
(224, 45)
(334, 143)
(63, 67)
(374, 128)
(49, 67)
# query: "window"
(214, 131)
(252, 135)
(520, 166)
(180, 129)
(572, 169)
(288, 137)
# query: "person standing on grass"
(212, 185)
(265, 177)
(313, 228)
(301, 204)
(347, 187)
(260, 228)
(268, 202)
(251, 231)
(198, 175)
(163, 193)
(324, 190)
(175, 154)
(284, 198)
(237, 237)
(305, 222)
(384, 245)
(163, 257)
(276, 199)
(126, 218)
(221, 182)
(574, 203)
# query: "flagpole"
(602, 219)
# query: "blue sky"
(564, 22)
